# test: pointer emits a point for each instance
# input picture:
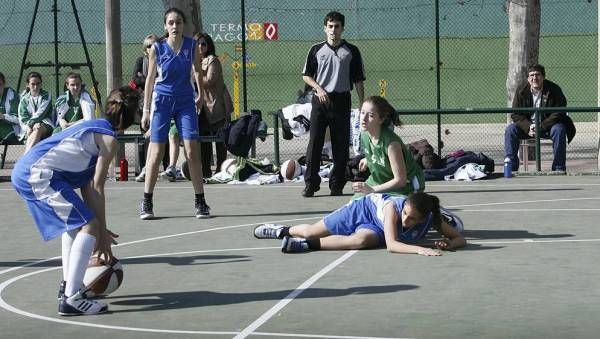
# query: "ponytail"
(121, 106)
(427, 204)
(386, 111)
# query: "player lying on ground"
(46, 178)
(375, 220)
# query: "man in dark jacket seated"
(558, 126)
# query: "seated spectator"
(10, 130)
(76, 104)
(558, 126)
(35, 111)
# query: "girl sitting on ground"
(392, 167)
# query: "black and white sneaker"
(452, 219)
(78, 304)
(268, 231)
(202, 210)
(294, 245)
(170, 174)
(146, 210)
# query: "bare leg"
(37, 133)
(155, 154)
(310, 231)
(173, 150)
(192, 153)
(362, 239)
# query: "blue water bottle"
(507, 168)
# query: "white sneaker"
(179, 175)
(142, 176)
(169, 174)
(268, 231)
(78, 304)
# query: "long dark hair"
(121, 106)
(169, 11)
(210, 44)
(387, 113)
(425, 204)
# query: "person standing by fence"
(216, 111)
(331, 69)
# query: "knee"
(360, 241)
(558, 130)
(191, 151)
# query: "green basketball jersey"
(379, 163)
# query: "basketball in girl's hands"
(101, 278)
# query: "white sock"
(67, 241)
(81, 251)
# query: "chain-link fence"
(398, 46)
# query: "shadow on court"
(233, 215)
(506, 190)
(169, 260)
(510, 234)
(179, 300)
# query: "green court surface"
(527, 271)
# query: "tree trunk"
(112, 22)
(524, 41)
(191, 9)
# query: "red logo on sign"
(271, 32)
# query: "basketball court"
(527, 271)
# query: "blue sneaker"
(294, 245)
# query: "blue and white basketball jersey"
(70, 156)
(174, 70)
(48, 174)
(412, 234)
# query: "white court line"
(10, 308)
(534, 210)
(528, 241)
(15, 310)
(213, 229)
(521, 202)
(282, 303)
(469, 185)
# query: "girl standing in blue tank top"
(47, 176)
(171, 61)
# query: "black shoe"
(202, 210)
(336, 192)
(309, 192)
